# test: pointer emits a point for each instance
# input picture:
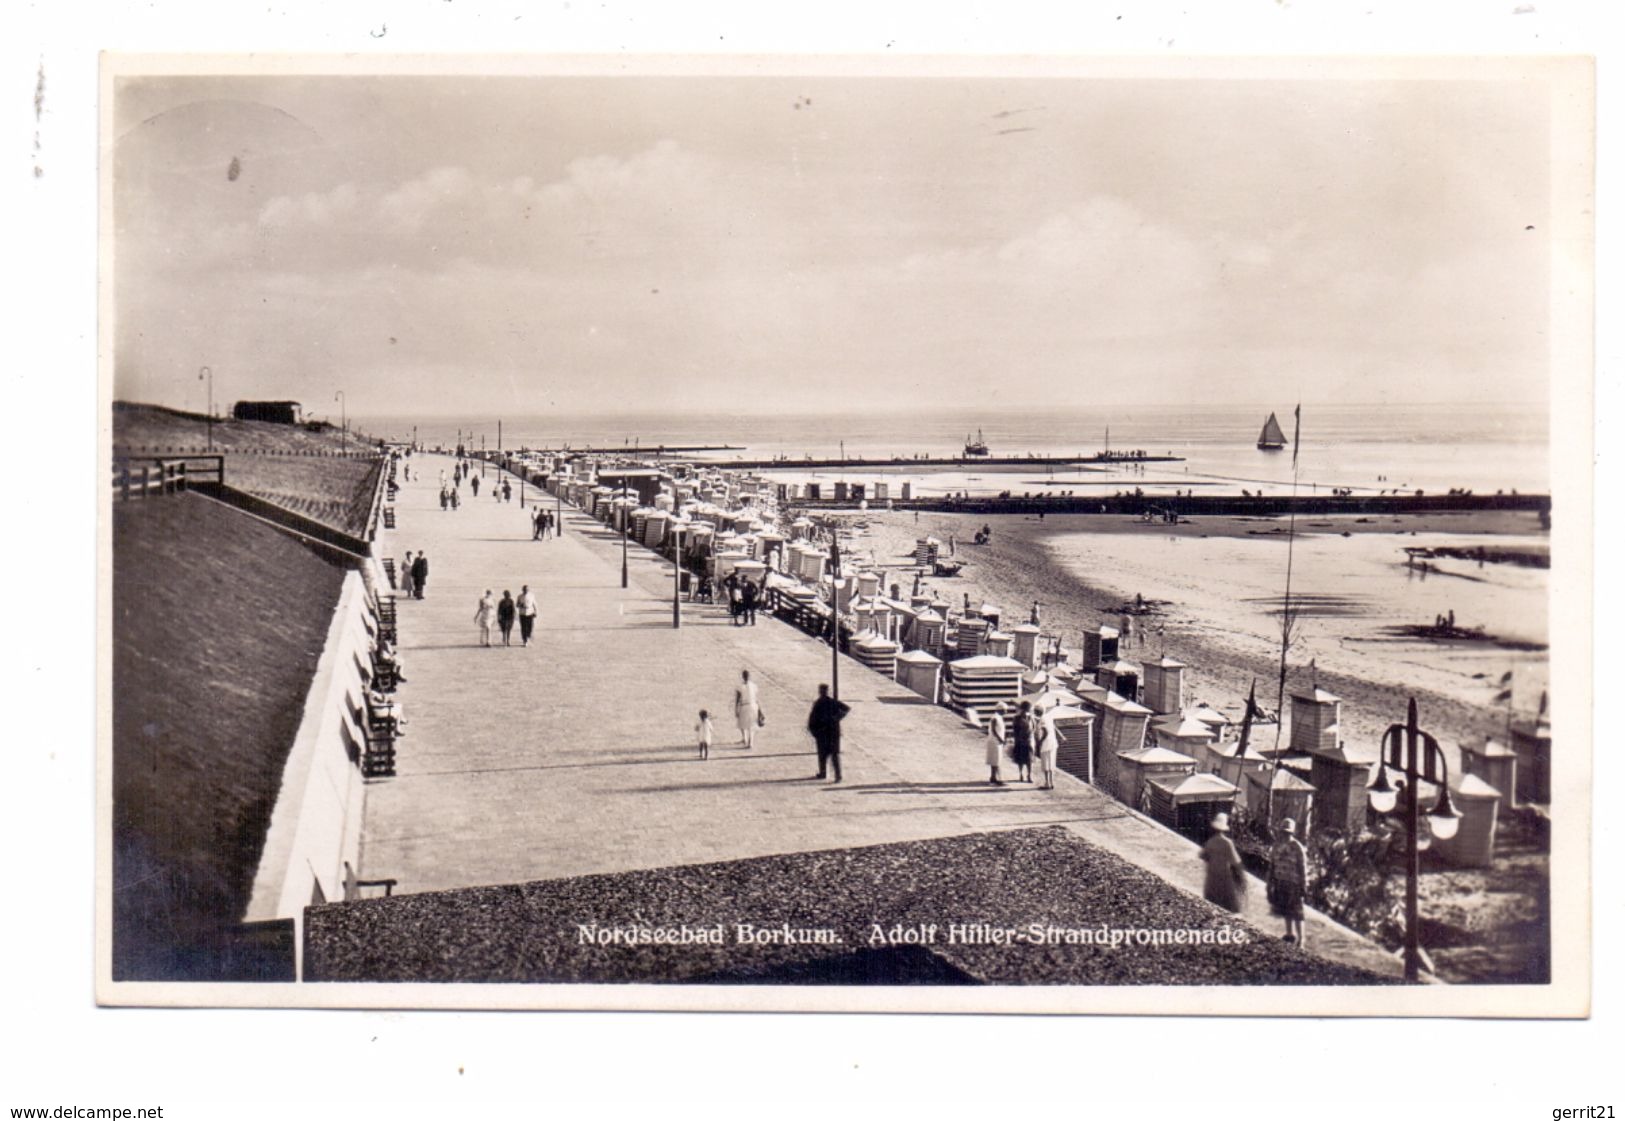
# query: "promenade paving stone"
(577, 755)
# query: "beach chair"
(385, 715)
(386, 674)
(354, 888)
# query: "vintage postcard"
(950, 534)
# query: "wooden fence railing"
(142, 476)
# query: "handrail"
(140, 476)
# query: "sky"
(459, 244)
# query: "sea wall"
(312, 846)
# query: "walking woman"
(747, 709)
(505, 614)
(406, 576)
(1226, 879)
(1021, 747)
(1289, 875)
(995, 745)
(485, 614)
(1049, 746)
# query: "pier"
(855, 463)
(576, 755)
(1258, 506)
(638, 449)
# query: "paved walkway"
(576, 755)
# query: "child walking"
(703, 732)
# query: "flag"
(1297, 422)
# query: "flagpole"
(835, 617)
(1286, 619)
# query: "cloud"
(603, 207)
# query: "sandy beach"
(1218, 583)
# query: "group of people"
(414, 575)
(542, 524)
(1225, 881)
(500, 614)
(748, 716)
(743, 597)
(1021, 737)
(823, 722)
(451, 485)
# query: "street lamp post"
(626, 529)
(677, 576)
(344, 422)
(1417, 756)
(835, 617)
(208, 374)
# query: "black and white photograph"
(960, 534)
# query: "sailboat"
(976, 447)
(1272, 439)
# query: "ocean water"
(1369, 448)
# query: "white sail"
(1272, 436)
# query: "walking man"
(527, 614)
(420, 575)
(505, 616)
(748, 595)
(824, 722)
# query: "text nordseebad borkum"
(918, 934)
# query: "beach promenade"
(577, 755)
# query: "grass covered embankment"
(218, 622)
(319, 473)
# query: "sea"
(1482, 447)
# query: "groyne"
(1262, 506)
(1036, 462)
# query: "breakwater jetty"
(1262, 505)
(1036, 462)
(642, 449)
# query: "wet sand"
(1222, 579)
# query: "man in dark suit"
(825, 725)
(420, 575)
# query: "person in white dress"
(995, 744)
(1049, 746)
(747, 709)
(485, 614)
